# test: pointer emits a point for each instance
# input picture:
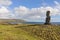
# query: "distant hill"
(11, 20)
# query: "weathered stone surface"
(47, 21)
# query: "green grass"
(29, 32)
(9, 32)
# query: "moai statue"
(47, 22)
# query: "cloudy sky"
(30, 10)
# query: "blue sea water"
(41, 23)
(58, 23)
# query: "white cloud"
(5, 2)
(56, 3)
(34, 17)
(35, 13)
(21, 10)
(26, 13)
(55, 19)
(5, 13)
(3, 10)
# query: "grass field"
(29, 32)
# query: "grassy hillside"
(9, 32)
(29, 32)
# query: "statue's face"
(48, 13)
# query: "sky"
(30, 10)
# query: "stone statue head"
(48, 13)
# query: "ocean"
(33, 23)
(41, 23)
